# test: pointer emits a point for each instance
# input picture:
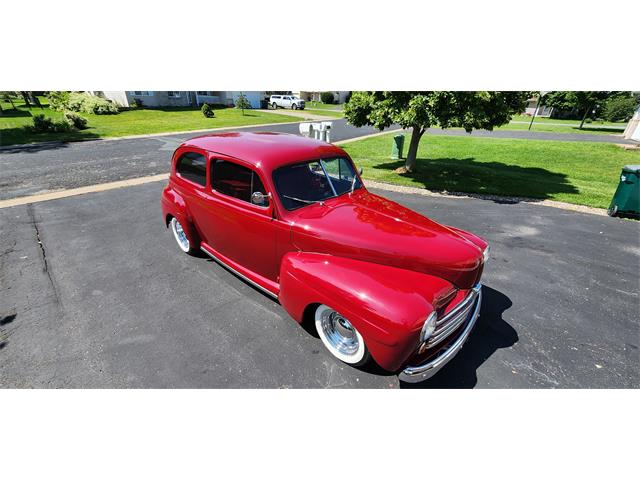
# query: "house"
(150, 98)
(633, 127)
(339, 97)
(533, 108)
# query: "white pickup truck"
(286, 101)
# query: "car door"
(286, 101)
(237, 228)
(190, 182)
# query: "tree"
(583, 102)
(421, 110)
(327, 97)
(620, 109)
(242, 102)
(8, 97)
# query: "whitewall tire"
(180, 235)
(340, 337)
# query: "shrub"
(96, 105)
(619, 109)
(42, 124)
(81, 102)
(76, 120)
(135, 103)
(63, 125)
(327, 97)
(58, 100)
(207, 110)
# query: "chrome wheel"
(340, 337)
(181, 236)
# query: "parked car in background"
(286, 101)
(292, 217)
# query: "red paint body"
(381, 265)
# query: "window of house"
(173, 94)
(142, 93)
(235, 180)
(193, 166)
(204, 94)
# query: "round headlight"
(428, 327)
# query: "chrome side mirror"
(360, 171)
(259, 198)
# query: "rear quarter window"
(192, 166)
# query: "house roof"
(265, 150)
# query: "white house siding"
(339, 96)
(253, 97)
(633, 127)
(117, 97)
(161, 99)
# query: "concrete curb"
(460, 195)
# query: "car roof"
(265, 150)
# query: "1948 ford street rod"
(291, 216)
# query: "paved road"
(94, 293)
(40, 168)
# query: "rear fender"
(387, 305)
(173, 205)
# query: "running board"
(226, 265)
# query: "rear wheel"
(611, 211)
(340, 337)
(181, 236)
(274, 105)
(294, 107)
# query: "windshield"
(310, 182)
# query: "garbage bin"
(627, 197)
(396, 148)
(264, 104)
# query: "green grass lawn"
(575, 172)
(131, 122)
(323, 106)
(326, 113)
(542, 124)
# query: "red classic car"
(291, 216)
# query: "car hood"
(368, 227)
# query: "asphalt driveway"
(94, 293)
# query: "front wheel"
(340, 337)
(611, 211)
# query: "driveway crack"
(43, 253)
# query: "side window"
(236, 181)
(193, 166)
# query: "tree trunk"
(416, 135)
(25, 97)
(586, 112)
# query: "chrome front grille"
(448, 324)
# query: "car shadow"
(4, 334)
(490, 334)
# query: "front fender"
(387, 305)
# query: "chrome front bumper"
(414, 374)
